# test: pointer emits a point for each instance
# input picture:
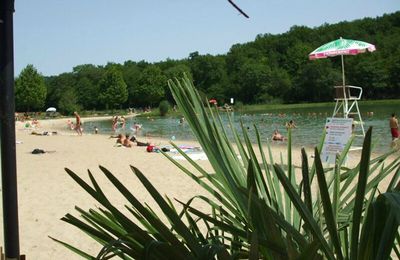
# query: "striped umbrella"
(341, 47)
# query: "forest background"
(272, 69)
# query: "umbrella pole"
(343, 77)
(345, 106)
(7, 132)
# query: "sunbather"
(138, 143)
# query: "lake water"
(310, 123)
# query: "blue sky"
(56, 35)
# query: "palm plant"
(258, 208)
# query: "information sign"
(338, 133)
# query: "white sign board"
(338, 132)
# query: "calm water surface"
(309, 121)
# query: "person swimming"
(290, 125)
(277, 136)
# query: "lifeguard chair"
(346, 98)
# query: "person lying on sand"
(127, 142)
(120, 139)
(44, 133)
(138, 143)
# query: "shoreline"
(60, 126)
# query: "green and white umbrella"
(341, 47)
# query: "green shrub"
(164, 107)
(239, 105)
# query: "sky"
(57, 35)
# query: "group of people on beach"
(32, 124)
(127, 141)
(118, 125)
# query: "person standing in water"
(78, 123)
(114, 123)
(123, 122)
(394, 126)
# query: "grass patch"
(269, 107)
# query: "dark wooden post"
(7, 131)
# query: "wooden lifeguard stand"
(346, 98)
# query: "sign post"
(338, 133)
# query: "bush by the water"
(164, 107)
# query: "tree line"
(270, 69)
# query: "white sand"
(46, 193)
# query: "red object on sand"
(150, 148)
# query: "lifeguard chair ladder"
(346, 98)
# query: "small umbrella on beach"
(341, 47)
(51, 109)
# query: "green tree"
(113, 89)
(57, 86)
(151, 86)
(393, 65)
(131, 72)
(208, 72)
(281, 84)
(176, 71)
(87, 93)
(89, 71)
(270, 67)
(68, 102)
(30, 90)
(253, 79)
(369, 73)
(249, 73)
(164, 107)
(87, 79)
(315, 82)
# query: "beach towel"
(199, 156)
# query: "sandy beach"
(46, 193)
